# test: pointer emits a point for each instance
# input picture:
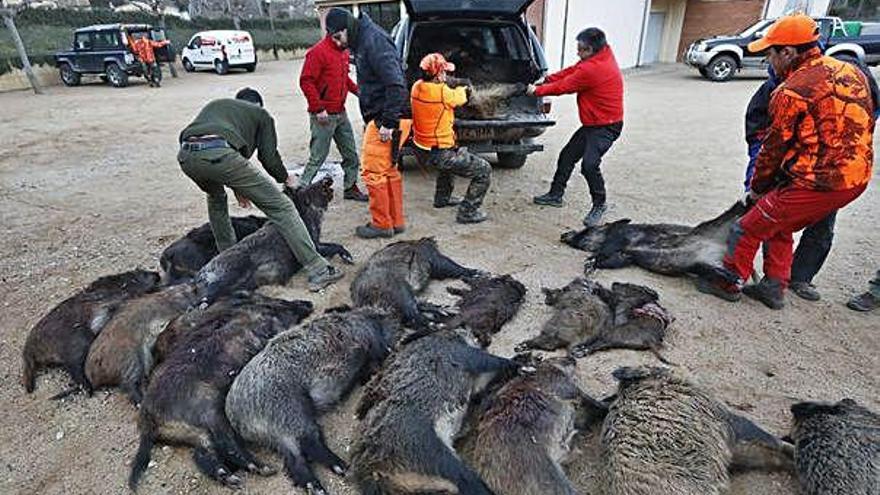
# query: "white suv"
(221, 51)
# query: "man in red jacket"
(325, 83)
(599, 86)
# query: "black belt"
(206, 144)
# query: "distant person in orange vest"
(433, 108)
(143, 50)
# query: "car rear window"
(496, 40)
(107, 39)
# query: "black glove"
(519, 89)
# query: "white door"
(654, 37)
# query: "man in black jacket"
(382, 98)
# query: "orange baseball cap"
(790, 30)
(433, 63)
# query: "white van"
(221, 51)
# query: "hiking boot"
(723, 290)
(805, 290)
(450, 201)
(864, 302)
(472, 216)
(368, 231)
(324, 278)
(399, 230)
(549, 199)
(595, 215)
(355, 194)
(767, 291)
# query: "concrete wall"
(535, 17)
(622, 20)
(675, 11)
(776, 8)
(705, 18)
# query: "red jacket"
(598, 84)
(324, 79)
(143, 48)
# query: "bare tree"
(9, 19)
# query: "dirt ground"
(89, 186)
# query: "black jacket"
(380, 79)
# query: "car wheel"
(721, 68)
(188, 66)
(511, 160)
(117, 77)
(250, 67)
(221, 67)
(68, 76)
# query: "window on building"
(855, 10)
(385, 14)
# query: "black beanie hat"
(249, 95)
(337, 19)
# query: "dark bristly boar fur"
(122, 353)
(661, 248)
(183, 258)
(264, 258)
(393, 276)
(522, 437)
(487, 304)
(63, 336)
(837, 448)
(663, 434)
(302, 373)
(413, 410)
(185, 400)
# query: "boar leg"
(228, 445)
(299, 471)
(315, 450)
(755, 448)
(211, 466)
(618, 259)
(480, 361)
(542, 342)
(443, 267)
(331, 249)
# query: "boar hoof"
(232, 481)
(261, 469)
(580, 351)
(522, 347)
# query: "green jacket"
(246, 127)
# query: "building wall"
(705, 18)
(675, 11)
(623, 22)
(535, 18)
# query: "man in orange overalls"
(143, 50)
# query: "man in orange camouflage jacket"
(143, 50)
(816, 157)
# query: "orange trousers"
(383, 180)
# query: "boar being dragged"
(837, 448)
(302, 373)
(412, 412)
(393, 276)
(185, 400)
(661, 248)
(264, 258)
(702, 439)
(62, 338)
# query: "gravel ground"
(89, 186)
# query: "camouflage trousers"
(450, 162)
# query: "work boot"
(444, 203)
(470, 216)
(324, 278)
(549, 199)
(805, 290)
(595, 215)
(399, 230)
(355, 194)
(864, 302)
(368, 231)
(728, 292)
(767, 291)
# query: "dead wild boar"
(486, 305)
(837, 448)
(393, 276)
(523, 435)
(303, 373)
(183, 258)
(185, 400)
(62, 337)
(244, 306)
(701, 439)
(263, 258)
(661, 248)
(412, 411)
(122, 355)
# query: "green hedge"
(46, 31)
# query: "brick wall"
(535, 17)
(704, 18)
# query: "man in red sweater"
(325, 83)
(599, 86)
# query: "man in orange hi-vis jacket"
(816, 157)
(143, 49)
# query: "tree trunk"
(170, 47)
(19, 46)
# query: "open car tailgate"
(423, 9)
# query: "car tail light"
(546, 106)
